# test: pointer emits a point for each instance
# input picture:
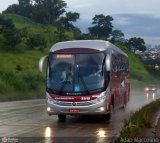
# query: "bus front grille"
(73, 103)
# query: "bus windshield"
(75, 73)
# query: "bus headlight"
(49, 109)
(100, 98)
(101, 108)
(49, 99)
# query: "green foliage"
(33, 80)
(3, 87)
(14, 8)
(130, 129)
(20, 85)
(13, 81)
(37, 41)
(137, 44)
(48, 11)
(2, 42)
(23, 22)
(19, 77)
(49, 33)
(41, 11)
(117, 36)
(102, 26)
(45, 12)
(21, 47)
(66, 21)
(10, 35)
(24, 8)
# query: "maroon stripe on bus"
(74, 98)
(76, 50)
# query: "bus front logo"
(74, 104)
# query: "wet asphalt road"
(29, 119)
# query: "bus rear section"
(78, 79)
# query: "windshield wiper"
(64, 83)
(83, 82)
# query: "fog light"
(102, 109)
(48, 109)
(101, 133)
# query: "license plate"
(74, 110)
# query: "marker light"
(48, 109)
(65, 56)
(102, 109)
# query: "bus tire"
(112, 104)
(112, 108)
(125, 101)
(61, 117)
(107, 116)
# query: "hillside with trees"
(30, 28)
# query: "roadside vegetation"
(140, 119)
(19, 77)
(137, 67)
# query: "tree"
(37, 41)
(25, 8)
(77, 33)
(8, 30)
(117, 36)
(137, 44)
(14, 8)
(48, 11)
(42, 11)
(102, 26)
(12, 35)
(66, 21)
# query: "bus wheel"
(125, 102)
(112, 108)
(124, 107)
(62, 117)
(107, 116)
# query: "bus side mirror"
(108, 63)
(41, 62)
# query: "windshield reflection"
(75, 73)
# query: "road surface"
(27, 121)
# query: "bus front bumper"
(93, 109)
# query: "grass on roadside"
(138, 120)
(19, 76)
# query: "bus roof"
(100, 45)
